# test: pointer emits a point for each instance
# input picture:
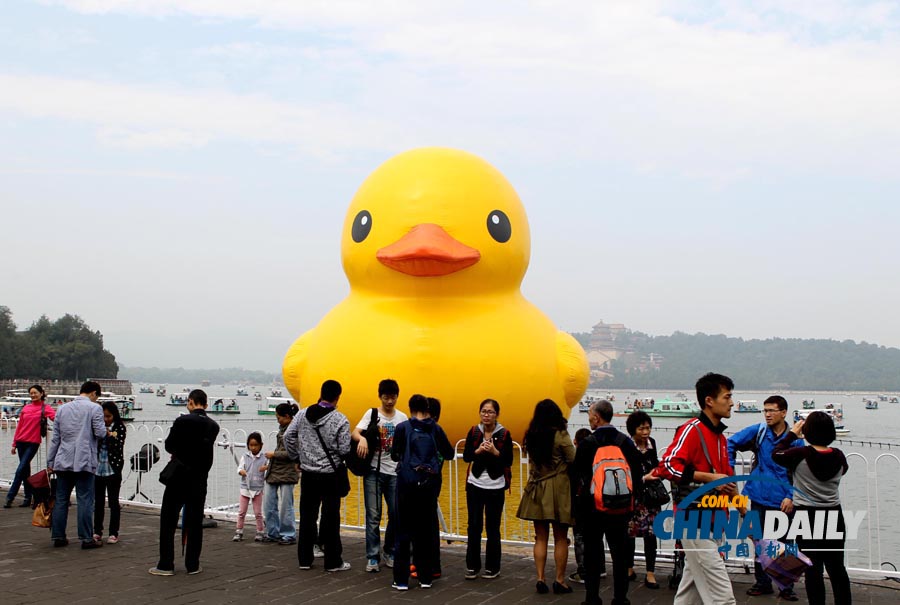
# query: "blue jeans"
(83, 483)
(278, 510)
(376, 485)
(26, 452)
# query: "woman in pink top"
(27, 440)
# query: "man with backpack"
(608, 466)
(381, 478)
(419, 447)
(699, 455)
(764, 496)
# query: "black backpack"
(420, 465)
(361, 466)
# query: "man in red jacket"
(698, 455)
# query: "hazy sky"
(176, 172)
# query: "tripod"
(137, 489)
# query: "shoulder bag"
(340, 471)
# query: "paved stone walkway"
(32, 571)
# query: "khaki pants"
(705, 580)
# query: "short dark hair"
(581, 434)
(418, 403)
(604, 409)
(91, 387)
(331, 391)
(388, 386)
(434, 408)
(636, 419)
(818, 429)
(493, 402)
(286, 409)
(710, 385)
(254, 436)
(778, 399)
(198, 396)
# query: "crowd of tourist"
(604, 485)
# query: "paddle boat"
(665, 408)
(747, 406)
(224, 406)
(178, 399)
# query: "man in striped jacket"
(699, 454)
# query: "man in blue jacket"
(761, 439)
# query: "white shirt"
(386, 426)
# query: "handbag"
(39, 480)
(784, 569)
(342, 480)
(43, 511)
(173, 471)
(655, 494)
(361, 466)
(43, 420)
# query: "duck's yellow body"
(435, 245)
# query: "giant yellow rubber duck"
(435, 245)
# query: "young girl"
(252, 469)
(108, 478)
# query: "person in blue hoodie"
(761, 439)
(420, 446)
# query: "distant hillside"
(183, 376)
(788, 363)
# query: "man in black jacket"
(597, 523)
(190, 441)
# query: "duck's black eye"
(362, 224)
(498, 226)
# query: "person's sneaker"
(576, 578)
(756, 590)
(372, 566)
(259, 537)
(97, 537)
(238, 536)
(318, 553)
(195, 572)
(490, 575)
(424, 584)
(112, 540)
(345, 566)
(602, 574)
(388, 559)
(8, 504)
(60, 542)
(471, 574)
(287, 541)
(305, 567)
(25, 504)
(91, 544)
(397, 586)
(788, 594)
(156, 571)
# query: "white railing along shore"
(872, 485)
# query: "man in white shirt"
(381, 480)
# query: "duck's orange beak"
(428, 251)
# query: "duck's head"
(435, 221)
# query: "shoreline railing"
(871, 473)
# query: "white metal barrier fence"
(872, 485)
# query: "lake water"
(870, 486)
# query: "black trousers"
(615, 528)
(416, 520)
(485, 509)
(189, 494)
(102, 486)
(319, 490)
(833, 562)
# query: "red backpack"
(611, 482)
